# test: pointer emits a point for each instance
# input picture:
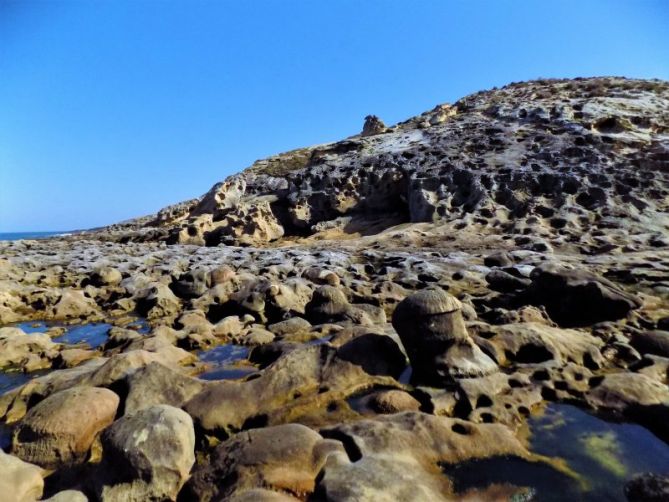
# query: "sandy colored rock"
(20, 479)
(68, 496)
(16, 348)
(284, 458)
(433, 332)
(158, 384)
(146, 456)
(61, 429)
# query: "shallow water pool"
(224, 362)
(604, 454)
(93, 334)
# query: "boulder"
(373, 125)
(652, 342)
(14, 404)
(105, 276)
(192, 284)
(69, 358)
(498, 259)
(73, 304)
(328, 304)
(18, 348)
(262, 495)
(158, 384)
(146, 456)
(432, 329)
(307, 383)
(504, 282)
(61, 429)
(393, 401)
(157, 301)
(625, 392)
(19, 480)
(535, 343)
(290, 326)
(228, 327)
(284, 458)
(576, 297)
(257, 336)
(68, 496)
(400, 457)
(376, 354)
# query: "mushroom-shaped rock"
(432, 329)
(327, 304)
(60, 430)
(146, 455)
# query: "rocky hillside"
(581, 162)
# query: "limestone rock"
(373, 125)
(68, 496)
(16, 347)
(157, 301)
(21, 480)
(146, 456)
(72, 305)
(60, 430)
(397, 457)
(577, 297)
(106, 276)
(534, 343)
(394, 401)
(652, 342)
(624, 391)
(158, 384)
(284, 458)
(434, 335)
(300, 383)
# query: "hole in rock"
(460, 429)
(533, 354)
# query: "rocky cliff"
(580, 162)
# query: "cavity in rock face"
(432, 329)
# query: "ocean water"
(15, 236)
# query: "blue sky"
(114, 109)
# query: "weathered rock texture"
(580, 162)
(353, 321)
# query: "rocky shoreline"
(389, 327)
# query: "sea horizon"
(15, 236)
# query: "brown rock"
(61, 429)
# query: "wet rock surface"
(381, 318)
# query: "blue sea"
(15, 236)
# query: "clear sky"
(111, 109)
